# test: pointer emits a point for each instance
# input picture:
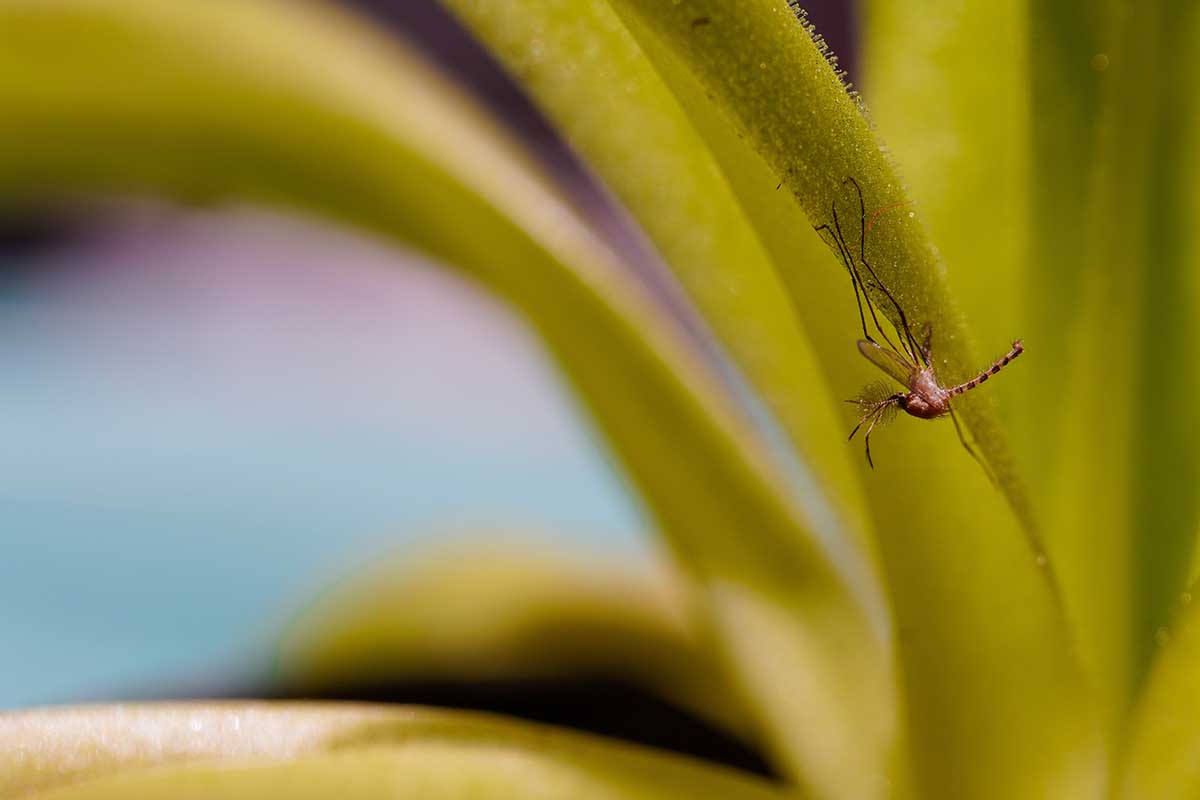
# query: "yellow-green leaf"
(320, 750)
(497, 607)
(1162, 756)
(971, 596)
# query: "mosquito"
(926, 398)
(908, 364)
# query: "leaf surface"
(322, 750)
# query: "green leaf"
(491, 608)
(1163, 740)
(1162, 756)
(226, 101)
(1166, 420)
(1123, 454)
(967, 586)
(314, 750)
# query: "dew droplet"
(1040, 560)
(762, 65)
(1100, 62)
(1185, 598)
(1162, 636)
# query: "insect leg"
(853, 280)
(962, 438)
(909, 346)
(849, 259)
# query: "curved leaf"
(586, 71)
(313, 750)
(226, 100)
(968, 592)
(1162, 757)
(46, 748)
(499, 608)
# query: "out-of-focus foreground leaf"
(299, 751)
(43, 749)
(226, 100)
(501, 608)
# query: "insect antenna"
(873, 395)
(878, 405)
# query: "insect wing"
(891, 363)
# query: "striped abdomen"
(1017, 349)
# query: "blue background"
(205, 420)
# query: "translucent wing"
(888, 361)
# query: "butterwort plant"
(916, 630)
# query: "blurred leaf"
(949, 88)
(44, 749)
(1163, 742)
(1090, 549)
(1123, 500)
(501, 608)
(225, 100)
(1162, 758)
(587, 72)
(1166, 435)
(294, 751)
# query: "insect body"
(906, 362)
(926, 398)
